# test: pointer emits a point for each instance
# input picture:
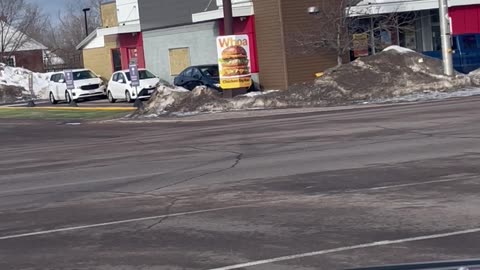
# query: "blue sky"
(50, 7)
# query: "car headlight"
(217, 85)
(157, 85)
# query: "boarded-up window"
(179, 60)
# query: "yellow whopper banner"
(234, 61)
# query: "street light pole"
(85, 10)
(446, 35)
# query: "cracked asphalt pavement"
(314, 190)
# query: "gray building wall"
(199, 38)
(155, 14)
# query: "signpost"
(69, 79)
(31, 103)
(134, 76)
(234, 63)
(135, 82)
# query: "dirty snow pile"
(396, 72)
(14, 84)
(179, 101)
(392, 73)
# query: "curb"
(126, 109)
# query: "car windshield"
(83, 75)
(142, 74)
(210, 71)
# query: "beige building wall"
(99, 60)
(109, 15)
(281, 62)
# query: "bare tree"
(336, 28)
(331, 30)
(71, 27)
(17, 19)
(63, 36)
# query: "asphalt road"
(319, 190)
(92, 102)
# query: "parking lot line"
(66, 229)
(37, 233)
(347, 248)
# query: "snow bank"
(18, 77)
(475, 77)
(386, 77)
(180, 102)
(259, 93)
(434, 95)
(398, 49)
(392, 73)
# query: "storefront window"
(408, 38)
(436, 38)
(436, 34)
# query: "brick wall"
(109, 15)
(100, 60)
(31, 60)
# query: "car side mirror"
(61, 81)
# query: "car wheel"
(110, 97)
(128, 97)
(52, 99)
(68, 98)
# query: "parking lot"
(316, 190)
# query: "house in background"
(23, 51)
(117, 43)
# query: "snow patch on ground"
(398, 49)
(18, 77)
(260, 93)
(426, 96)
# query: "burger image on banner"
(234, 61)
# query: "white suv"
(87, 84)
(120, 86)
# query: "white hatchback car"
(120, 86)
(87, 84)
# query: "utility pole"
(228, 30)
(85, 10)
(228, 17)
(446, 35)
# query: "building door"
(116, 60)
(132, 55)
